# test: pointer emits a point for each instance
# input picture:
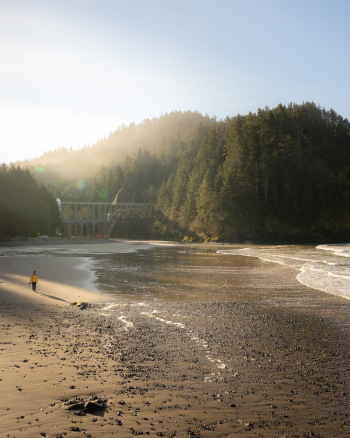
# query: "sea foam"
(324, 267)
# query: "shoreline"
(53, 241)
(271, 365)
(72, 241)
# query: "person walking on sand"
(33, 279)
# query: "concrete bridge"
(90, 218)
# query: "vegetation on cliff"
(27, 208)
(277, 174)
(280, 174)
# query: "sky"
(72, 71)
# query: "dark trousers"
(34, 286)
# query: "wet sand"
(271, 365)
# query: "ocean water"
(139, 271)
(322, 267)
(217, 272)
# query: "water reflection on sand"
(178, 273)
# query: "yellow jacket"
(33, 278)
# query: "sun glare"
(39, 168)
(81, 184)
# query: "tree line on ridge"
(27, 208)
(280, 174)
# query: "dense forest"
(27, 209)
(60, 169)
(280, 174)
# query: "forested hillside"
(279, 174)
(61, 169)
(26, 206)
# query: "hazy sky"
(73, 71)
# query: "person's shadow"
(52, 297)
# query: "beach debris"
(81, 305)
(95, 404)
(193, 434)
(74, 404)
(75, 429)
(90, 406)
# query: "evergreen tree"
(26, 206)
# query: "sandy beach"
(66, 372)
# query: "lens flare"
(38, 168)
(103, 193)
(81, 184)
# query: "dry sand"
(119, 369)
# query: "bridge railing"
(97, 211)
